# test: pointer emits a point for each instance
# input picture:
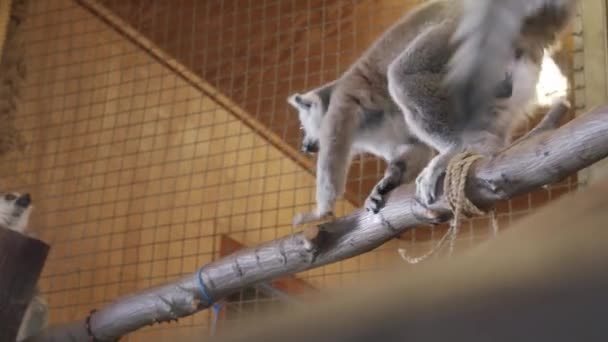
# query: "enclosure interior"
(157, 138)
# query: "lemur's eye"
(10, 197)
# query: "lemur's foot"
(426, 184)
(374, 202)
(377, 198)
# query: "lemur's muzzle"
(24, 200)
(310, 147)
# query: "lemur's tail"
(485, 38)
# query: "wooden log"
(289, 284)
(21, 261)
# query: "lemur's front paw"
(375, 201)
(310, 217)
(426, 184)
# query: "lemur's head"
(311, 107)
(15, 210)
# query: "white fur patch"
(552, 84)
(310, 118)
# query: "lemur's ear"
(298, 101)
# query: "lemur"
(416, 76)
(15, 211)
(381, 131)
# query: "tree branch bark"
(540, 159)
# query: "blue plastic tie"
(201, 285)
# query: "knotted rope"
(454, 190)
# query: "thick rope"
(454, 191)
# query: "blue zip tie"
(216, 315)
(201, 285)
(215, 307)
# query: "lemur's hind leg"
(410, 160)
(393, 177)
(483, 142)
(416, 84)
(415, 81)
(426, 183)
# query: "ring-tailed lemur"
(405, 66)
(381, 131)
(416, 82)
(15, 211)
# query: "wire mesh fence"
(156, 129)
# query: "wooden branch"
(288, 284)
(540, 159)
(21, 262)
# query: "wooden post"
(21, 261)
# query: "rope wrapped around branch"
(454, 185)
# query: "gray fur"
(376, 129)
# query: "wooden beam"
(21, 261)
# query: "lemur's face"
(15, 210)
(310, 112)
